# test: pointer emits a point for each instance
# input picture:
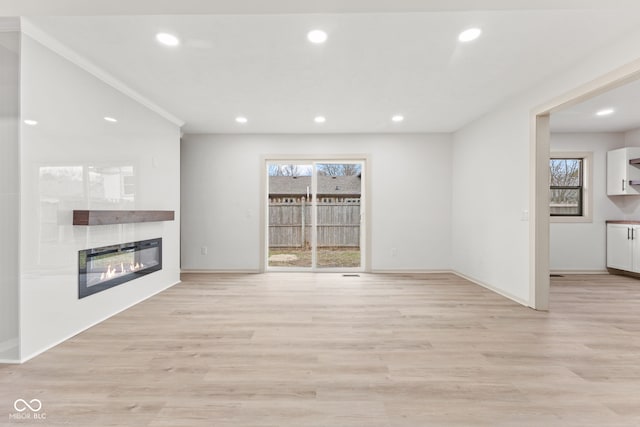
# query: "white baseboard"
(568, 272)
(317, 271)
(494, 289)
(411, 272)
(221, 271)
(26, 358)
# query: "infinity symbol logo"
(21, 405)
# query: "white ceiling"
(624, 100)
(373, 66)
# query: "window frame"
(587, 192)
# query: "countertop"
(623, 221)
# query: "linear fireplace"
(109, 266)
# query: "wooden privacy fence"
(290, 222)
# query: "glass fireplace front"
(109, 266)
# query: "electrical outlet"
(394, 252)
(204, 250)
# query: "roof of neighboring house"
(327, 185)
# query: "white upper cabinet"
(623, 176)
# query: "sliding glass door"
(338, 215)
(290, 215)
(315, 212)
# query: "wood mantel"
(120, 217)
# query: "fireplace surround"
(108, 266)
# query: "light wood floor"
(326, 350)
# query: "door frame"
(365, 225)
(540, 153)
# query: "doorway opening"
(540, 174)
(314, 215)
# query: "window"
(565, 183)
(569, 198)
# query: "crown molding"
(61, 49)
(279, 7)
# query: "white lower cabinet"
(623, 247)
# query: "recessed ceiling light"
(469, 35)
(397, 118)
(605, 112)
(167, 39)
(317, 36)
(320, 119)
(30, 122)
(241, 119)
(110, 119)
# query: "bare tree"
(351, 169)
(285, 170)
(564, 181)
(274, 170)
(564, 172)
(339, 169)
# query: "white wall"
(490, 195)
(632, 138)
(582, 246)
(65, 163)
(221, 196)
(494, 151)
(9, 197)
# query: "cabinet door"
(617, 172)
(619, 246)
(635, 248)
(620, 173)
